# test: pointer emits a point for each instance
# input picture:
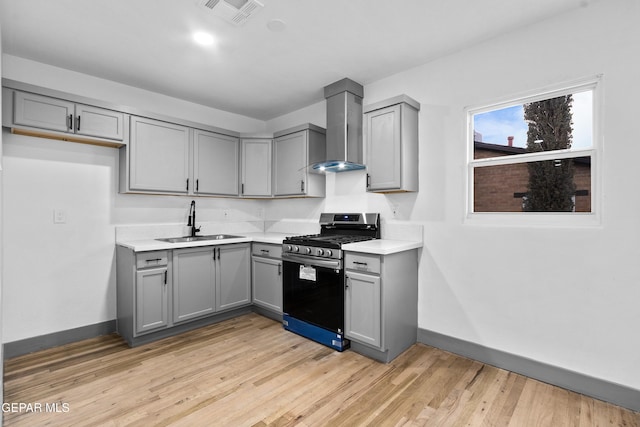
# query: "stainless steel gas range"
(313, 276)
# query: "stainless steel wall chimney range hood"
(344, 127)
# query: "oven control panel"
(311, 251)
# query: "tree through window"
(534, 154)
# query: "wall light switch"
(59, 216)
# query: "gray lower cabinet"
(143, 292)
(210, 279)
(381, 303)
(233, 276)
(160, 293)
(194, 289)
(266, 280)
(363, 314)
(152, 302)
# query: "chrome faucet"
(191, 222)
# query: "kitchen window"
(534, 158)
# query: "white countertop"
(146, 245)
(378, 246)
(382, 246)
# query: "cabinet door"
(363, 309)
(194, 286)
(152, 306)
(267, 283)
(43, 112)
(290, 162)
(256, 167)
(159, 156)
(383, 148)
(234, 276)
(99, 122)
(216, 161)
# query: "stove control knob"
(289, 248)
(308, 251)
(296, 249)
(320, 252)
(329, 253)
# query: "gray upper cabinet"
(256, 167)
(294, 151)
(98, 122)
(391, 141)
(216, 161)
(58, 115)
(158, 157)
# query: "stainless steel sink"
(198, 238)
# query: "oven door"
(313, 291)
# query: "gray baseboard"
(29, 345)
(594, 387)
(267, 313)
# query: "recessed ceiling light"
(203, 39)
(276, 25)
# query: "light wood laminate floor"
(248, 371)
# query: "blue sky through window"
(495, 126)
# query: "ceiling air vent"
(234, 11)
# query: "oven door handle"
(312, 261)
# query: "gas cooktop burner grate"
(336, 239)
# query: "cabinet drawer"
(151, 259)
(267, 250)
(362, 262)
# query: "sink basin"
(198, 238)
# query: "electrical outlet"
(394, 211)
(59, 216)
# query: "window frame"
(565, 219)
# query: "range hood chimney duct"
(344, 127)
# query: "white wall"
(51, 77)
(62, 276)
(564, 296)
